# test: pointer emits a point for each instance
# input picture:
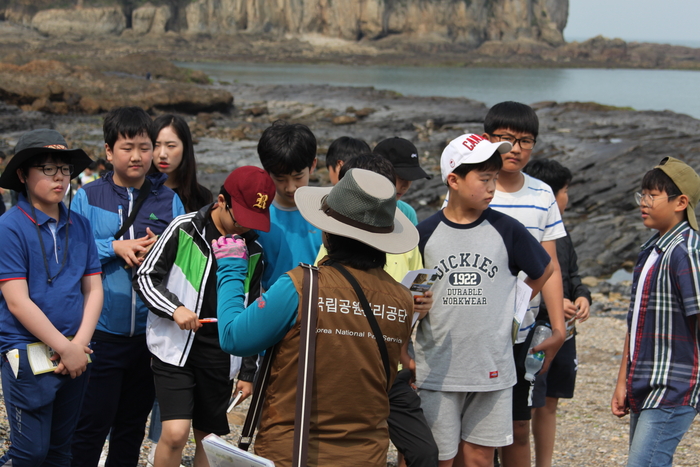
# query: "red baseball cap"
(251, 190)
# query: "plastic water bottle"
(534, 361)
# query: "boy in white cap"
(464, 359)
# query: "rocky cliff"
(470, 22)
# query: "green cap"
(687, 180)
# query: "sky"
(672, 21)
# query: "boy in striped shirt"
(531, 202)
(659, 378)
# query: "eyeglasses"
(525, 143)
(51, 169)
(649, 199)
(235, 224)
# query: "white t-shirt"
(464, 344)
(651, 259)
(535, 206)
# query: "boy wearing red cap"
(177, 282)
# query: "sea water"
(675, 90)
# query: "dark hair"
(369, 161)
(127, 122)
(108, 168)
(656, 179)
(495, 162)
(191, 193)
(512, 116)
(41, 158)
(549, 171)
(354, 253)
(227, 196)
(287, 147)
(344, 149)
(97, 163)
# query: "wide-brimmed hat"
(43, 141)
(403, 155)
(251, 190)
(469, 149)
(687, 180)
(361, 206)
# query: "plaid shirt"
(665, 370)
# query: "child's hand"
(423, 303)
(186, 319)
(584, 309)
(73, 361)
(570, 309)
(619, 405)
(550, 346)
(132, 251)
(229, 247)
(246, 388)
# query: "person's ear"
(313, 166)
(220, 201)
(681, 203)
(21, 176)
(108, 152)
(452, 180)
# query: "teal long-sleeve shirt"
(249, 331)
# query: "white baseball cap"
(469, 149)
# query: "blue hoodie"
(107, 206)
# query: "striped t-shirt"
(536, 208)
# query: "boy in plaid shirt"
(659, 378)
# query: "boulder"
(80, 22)
(150, 19)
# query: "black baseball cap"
(403, 155)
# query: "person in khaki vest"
(350, 406)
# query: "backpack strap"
(252, 418)
(143, 194)
(305, 374)
(379, 336)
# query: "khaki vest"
(350, 404)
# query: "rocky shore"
(588, 435)
(607, 149)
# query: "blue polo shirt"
(21, 258)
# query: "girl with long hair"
(173, 154)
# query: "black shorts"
(193, 393)
(522, 405)
(561, 377)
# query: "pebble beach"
(588, 435)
